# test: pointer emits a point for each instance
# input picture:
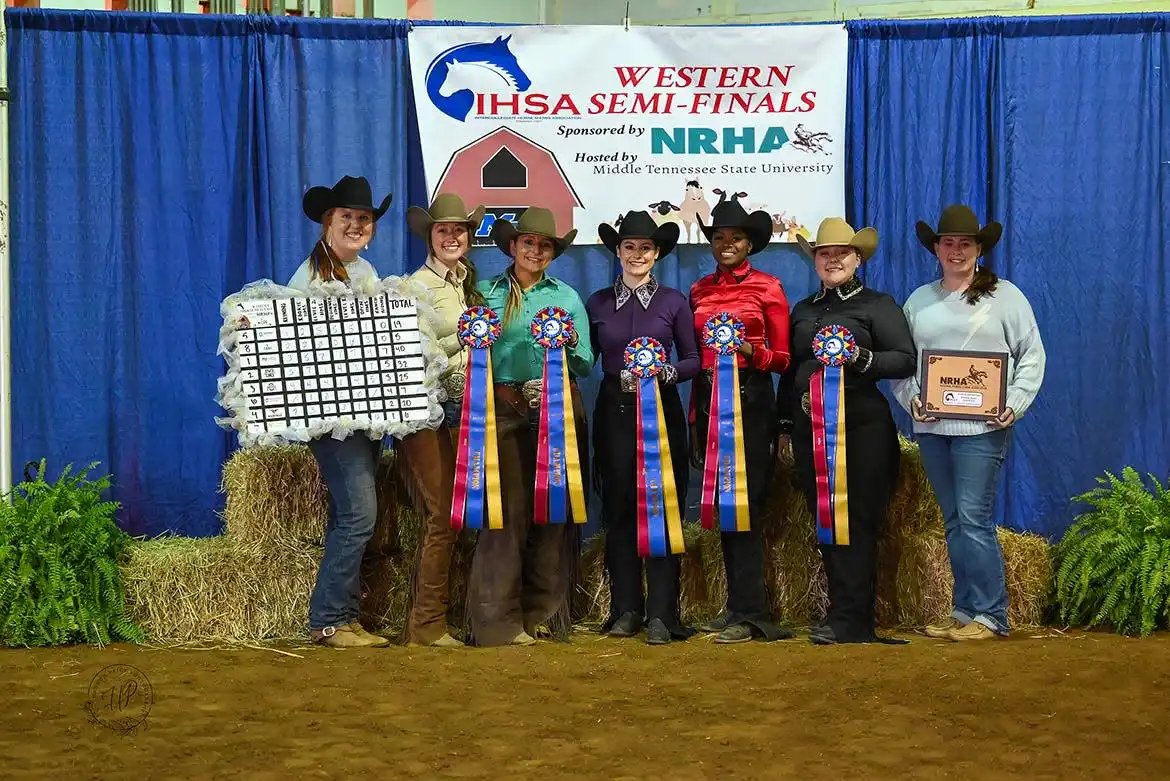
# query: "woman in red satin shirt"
(758, 300)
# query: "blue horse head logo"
(453, 75)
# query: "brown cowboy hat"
(350, 192)
(640, 225)
(835, 232)
(536, 221)
(447, 207)
(959, 220)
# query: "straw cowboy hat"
(349, 193)
(959, 220)
(538, 222)
(730, 214)
(640, 225)
(447, 207)
(835, 232)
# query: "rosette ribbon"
(833, 346)
(659, 519)
(725, 468)
(477, 460)
(559, 483)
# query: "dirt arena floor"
(1039, 706)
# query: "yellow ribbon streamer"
(742, 522)
(674, 532)
(572, 454)
(840, 478)
(491, 456)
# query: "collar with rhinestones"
(844, 291)
(645, 292)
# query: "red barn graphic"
(507, 173)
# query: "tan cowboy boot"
(942, 630)
(379, 640)
(343, 636)
(523, 639)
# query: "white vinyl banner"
(594, 121)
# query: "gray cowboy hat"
(536, 221)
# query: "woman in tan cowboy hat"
(347, 216)
(970, 308)
(427, 458)
(884, 351)
(520, 576)
(758, 300)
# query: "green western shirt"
(515, 355)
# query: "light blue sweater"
(1000, 322)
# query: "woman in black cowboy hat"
(758, 300)
(348, 218)
(634, 306)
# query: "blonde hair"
(515, 295)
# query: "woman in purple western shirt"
(636, 306)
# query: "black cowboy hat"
(730, 214)
(959, 220)
(640, 225)
(349, 193)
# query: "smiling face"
(957, 255)
(730, 246)
(450, 241)
(532, 254)
(637, 257)
(836, 265)
(348, 231)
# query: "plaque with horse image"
(963, 384)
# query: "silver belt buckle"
(455, 384)
(532, 391)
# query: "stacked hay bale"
(914, 574)
(252, 583)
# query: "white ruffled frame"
(230, 388)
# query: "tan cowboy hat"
(835, 232)
(538, 222)
(959, 220)
(447, 207)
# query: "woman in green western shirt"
(520, 575)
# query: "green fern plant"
(1113, 563)
(59, 548)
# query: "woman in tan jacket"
(427, 457)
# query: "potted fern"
(1113, 563)
(59, 548)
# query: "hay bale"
(276, 498)
(1028, 563)
(182, 589)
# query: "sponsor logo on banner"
(592, 121)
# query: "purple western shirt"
(618, 315)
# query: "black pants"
(851, 569)
(615, 451)
(743, 552)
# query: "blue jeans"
(964, 473)
(349, 468)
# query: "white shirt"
(361, 273)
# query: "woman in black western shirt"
(884, 351)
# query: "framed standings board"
(302, 366)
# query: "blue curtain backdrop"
(158, 163)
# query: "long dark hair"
(982, 285)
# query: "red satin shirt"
(756, 298)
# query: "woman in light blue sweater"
(969, 308)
